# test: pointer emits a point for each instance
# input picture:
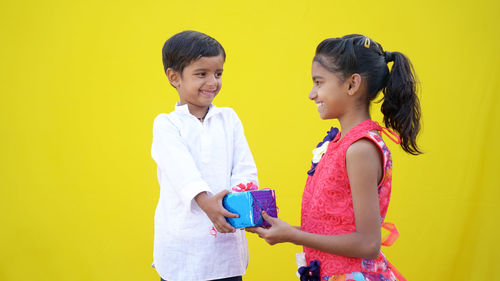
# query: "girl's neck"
(349, 121)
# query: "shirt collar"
(183, 108)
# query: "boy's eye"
(200, 74)
(218, 74)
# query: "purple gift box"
(249, 206)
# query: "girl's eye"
(317, 83)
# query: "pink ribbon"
(387, 241)
(213, 232)
(390, 238)
(242, 187)
(238, 188)
(395, 138)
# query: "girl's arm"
(364, 168)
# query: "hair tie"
(388, 56)
(367, 42)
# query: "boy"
(201, 152)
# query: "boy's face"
(199, 83)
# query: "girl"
(347, 193)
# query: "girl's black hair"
(359, 54)
(184, 47)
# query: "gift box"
(249, 206)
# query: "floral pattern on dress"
(327, 207)
(361, 276)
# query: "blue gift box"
(249, 206)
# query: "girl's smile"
(329, 92)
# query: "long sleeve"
(244, 169)
(174, 160)
(193, 157)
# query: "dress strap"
(387, 241)
(393, 235)
(398, 275)
(390, 134)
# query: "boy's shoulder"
(163, 120)
(162, 117)
(227, 113)
(226, 110)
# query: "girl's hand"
(212, 206)
(279, 231)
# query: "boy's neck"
(197, 111)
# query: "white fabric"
(300, 259)
(193, 157)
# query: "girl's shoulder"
(369, 142)
(363, 150)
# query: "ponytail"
(359, 54)
(401, 106)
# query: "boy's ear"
(173, 77)
(354, 84)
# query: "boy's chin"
(208, 97)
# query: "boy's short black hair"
(184, 47)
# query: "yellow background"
(81, 82)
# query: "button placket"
(205, 144)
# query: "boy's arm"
(244, 169)
(173, 158)
(212, 206)
(175, 161)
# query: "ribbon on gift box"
(250, 187)
(258, 201)
(245, 187)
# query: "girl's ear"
(173, 77)
(354, 84)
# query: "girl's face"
(329, 92)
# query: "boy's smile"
(199, 83)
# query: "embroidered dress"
(327, 207)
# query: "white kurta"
(193, 157)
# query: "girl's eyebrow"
(317, 77)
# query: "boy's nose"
(212, 80)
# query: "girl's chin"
(325, 117)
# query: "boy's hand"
(279, 231)
(212, 206)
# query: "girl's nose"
(313, 94)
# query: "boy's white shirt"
(193, 157)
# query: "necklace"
(202, 118)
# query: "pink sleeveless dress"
(327, 207)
